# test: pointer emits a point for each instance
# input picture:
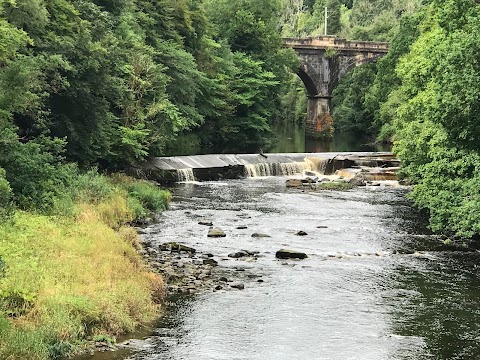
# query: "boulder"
(238, 254)
(216, 232)
(176, 247)
(293, 183)
(358, 180)
(206, 223)
(210, 262)
(290, 254)
(237, 285)
(260, 235)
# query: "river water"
(375, 285)
(290, 138)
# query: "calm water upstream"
(356, 296)
(290, 138)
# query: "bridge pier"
(319, 122)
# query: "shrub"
(143, 197)
(35, 170)
(6, 206)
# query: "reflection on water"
(364, 293)
(291, 139)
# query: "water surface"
(357, 296)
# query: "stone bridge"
(324, 60)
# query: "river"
(290, 138)
(375, 285)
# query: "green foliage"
(252, 77)
(105, 338)
(377, 20)
(6, 195)
(349, 111)
(144, 198)
(294, 102)
(334, 186)
(437, 135)
(34, 170)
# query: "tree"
(255, 75)
(349, 112)
(436, 132)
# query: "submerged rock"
(290, 254)
(216, 232)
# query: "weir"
(237, 166)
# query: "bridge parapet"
(325, 42)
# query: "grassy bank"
(75, 275)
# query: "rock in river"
(237, 285)
(293, 183)
(210, 262)
(260, 235)
(206, 223)
(176, 247)
(290, 254)
(216, 232)
(239, 254)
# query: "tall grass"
(64, 279)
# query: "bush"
(92, 187)
(143, 197)
(6, 206)
(35, 170)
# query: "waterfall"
(276, 169)
(185, 175)
(317, 164)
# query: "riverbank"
(67, 279)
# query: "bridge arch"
(303, 73)
(324, 60)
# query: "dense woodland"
(99, 85)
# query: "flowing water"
(375, 284)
